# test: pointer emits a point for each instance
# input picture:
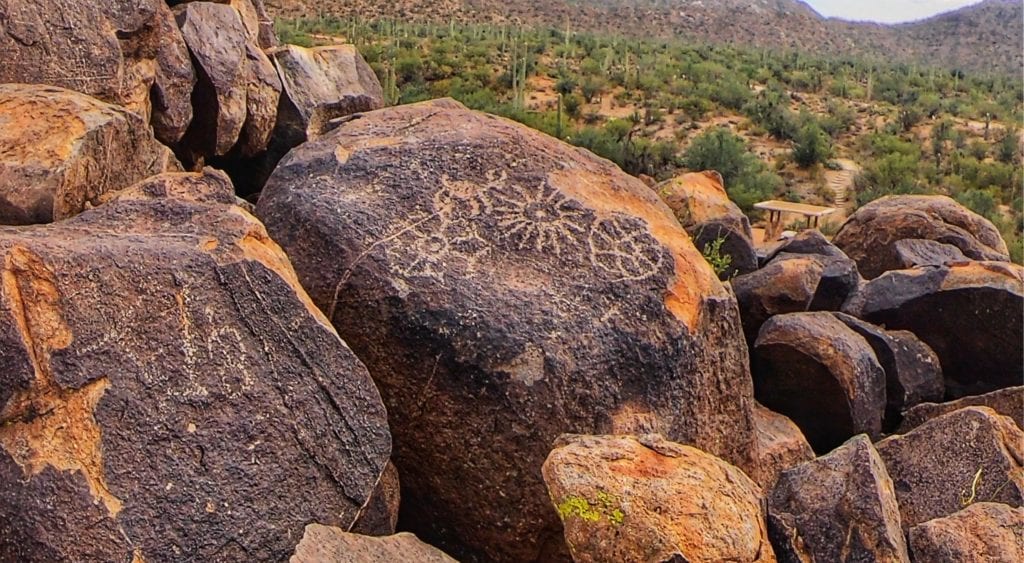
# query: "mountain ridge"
(988, 36)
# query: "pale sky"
(885, 11)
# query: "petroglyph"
(623, 248)
(542, 218)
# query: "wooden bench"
(775, 209)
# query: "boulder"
(263, 93)
(168, 390)
(462, 256)
(625, 498)
(839, 507)
(793, 283)
(702, 206)
(810, 241)
(1007, 402)
(870, 235)
(259, 26)
(325, 544)
(124, 52)
(970, 314)
(913, 252)
(380, 515)
(984, 532)
(912, 371)
(60, 151)
(821, 374)
(970, 455)
(780, 445)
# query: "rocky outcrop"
(970, 314)
(461, 256)
(912, 371)
(380, 515)
(168, 390)
(870, 235)
(971, 455)
(821, 374)
(702, 206)
(1007, 402)
(325, 544)
(780, 445)
(984, 532)
(810, 241)
(912, 252)
(124, 52)
(60, 151)
(793, 283)
(624, 498)
(839, 507)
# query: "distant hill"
(986, 37)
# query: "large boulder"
(793, 283)
(970, 314)
(810, 241)
(505, 288)
(780, 445)
(870, 235)
(124, 52)
(912, 252)
(821, 374)
(60, 151)
(912, 371)
(1007, 402)
(839, 507)
(984, 532)
(702, 206)
(326, 544)
(169, 391)
(624, 498)
(971, 455)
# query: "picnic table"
(775, 209)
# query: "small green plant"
(713, 254)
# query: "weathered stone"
(324, 544)
(912, 252)
(263, 93)
(793, 283)
(702, 206)
(485, 249)
(216, 38)
(839, 507)
(810, 241)
(1007, 402)
(870, 235)
(821, 374)
(624, 498)
(61, 150)
(970, 455)
(970, 314)
(119, 51)
(780, 445)
(984, 532)
(168, 390)
(912, 371)
(380, 515)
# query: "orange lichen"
(45, 424)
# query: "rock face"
(971, 455)
(839, 507)
(324, 544)
(912, 252)
(485, 249)
(1006, 402)
(810, 241)
(780, 445)
(61, 150)
(380, 515)
(912, 371)
(793, 283)
(971, 315)
(125, 52)
(207, 412)
(984, 532)
(623, 498)
(870, 235)
(702, 206)
(821, 374)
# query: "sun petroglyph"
(626, 251)
(539, 218)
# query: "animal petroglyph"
(468, 220)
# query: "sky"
(885, 11)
